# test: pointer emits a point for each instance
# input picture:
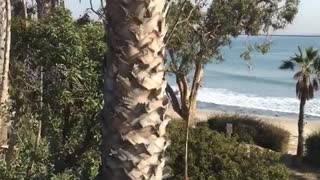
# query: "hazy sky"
(306, 22)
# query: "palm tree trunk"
(134, 120)
(301, 127)
(5, 41)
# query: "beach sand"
(287, 123)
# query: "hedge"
(212, 156)
(252, 130)
(313, 148)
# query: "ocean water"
(263, 86)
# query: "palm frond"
(287, 65)
(299, 89)
(300, 51)
(297, 58)
(308, 76)
(315, 83)
(316, 65)
(311, 53)
(298, 75)
(310, 91)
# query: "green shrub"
(213, 156)
(71, 56)
(252, 130)
(313, 148)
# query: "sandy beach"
(287, 123)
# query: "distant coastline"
(211, 107)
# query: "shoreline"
(209, 107)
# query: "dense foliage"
(65, 98)
(213, 156)
(252, 130)
(313, 148)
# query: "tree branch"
(176, 22)
(96, 12)
(179, 22)
(173, 60)
(174, 101)
(189, 16)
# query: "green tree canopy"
(71, 55)
(202, 28)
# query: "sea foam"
(278, 104)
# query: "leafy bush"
(214, 156)
(71, 56)
(252, 130)
(313, 148)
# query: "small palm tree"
(307, 78)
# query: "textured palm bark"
(5, 40)
(134, 121)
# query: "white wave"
(280, 104)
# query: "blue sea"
(262, 86)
